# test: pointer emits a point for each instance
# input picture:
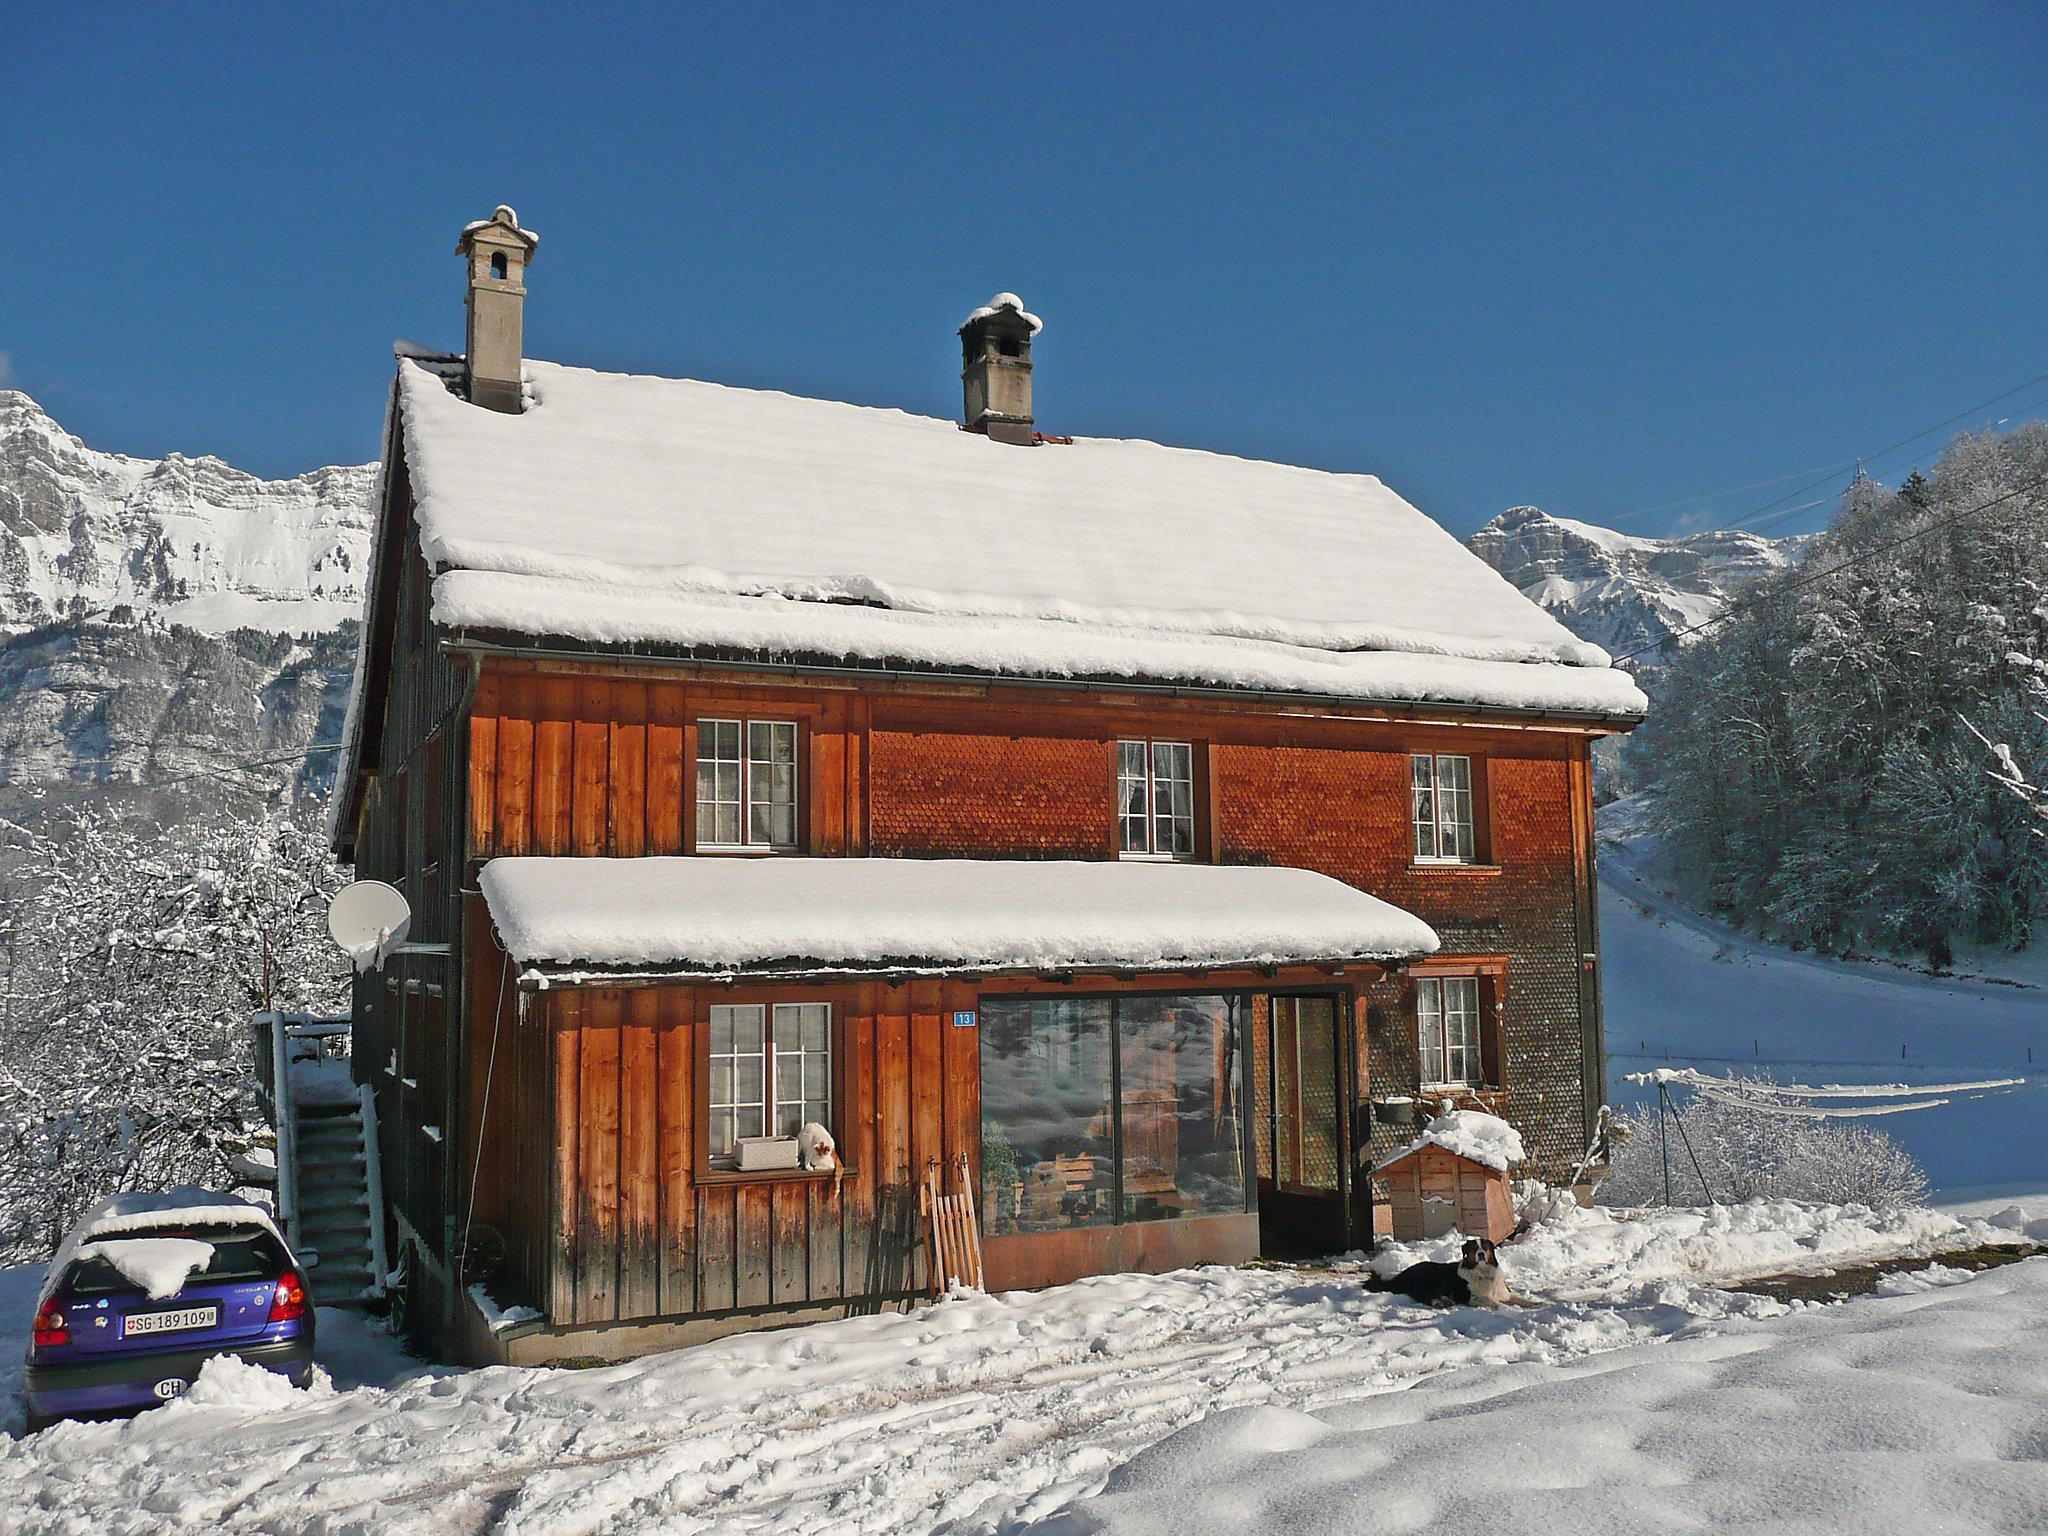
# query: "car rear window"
(239, 1253)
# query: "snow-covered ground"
(1684, 990)
(992, 1413)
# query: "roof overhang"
(585, 919)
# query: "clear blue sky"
(1598, 258)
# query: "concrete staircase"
(333, 1231)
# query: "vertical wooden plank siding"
(665, 781)
(514, 789)
(789, 1278)
(590, 796)
(483, 768)
(597, 1236)
(753, 1239)
(675, 1112)
(639, 1157)
(564, 1019)
(553, 765)
(628, 769)
(857, 1139)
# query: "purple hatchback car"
(150, 1287)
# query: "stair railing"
(285, 1117)
(373, 1184)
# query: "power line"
(1825, 474)
(80, 791)
(1809, 578)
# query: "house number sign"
(964, 1019)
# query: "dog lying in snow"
(816, 1149)
(1474, 1281)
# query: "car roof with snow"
(139, 1212)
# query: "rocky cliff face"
(1625, 593)
(194, 540)
(162, 620)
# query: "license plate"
(170, 1322)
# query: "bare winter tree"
(139, 953)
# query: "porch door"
(1298, 1070)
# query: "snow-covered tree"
(138, 954)
(1814, 761)
(1747, 1151)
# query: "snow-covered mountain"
(194, 540)
(1622, 592)
(164, 619)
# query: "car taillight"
(52, 1327)
(290, 1300)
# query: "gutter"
(541, 976)
(466, 642)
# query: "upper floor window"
(1447, 1030)
(1155, 790)
(1443, 809)
(770, 1073)
(746, 784)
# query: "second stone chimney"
(497, 251)
(995, 374)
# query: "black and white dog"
(1474, 1281)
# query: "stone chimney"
(497, 250)
(995, 374)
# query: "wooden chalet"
(1130, 820)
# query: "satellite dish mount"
(368, 920)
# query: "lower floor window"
(771, 1072)
(1100, 1110)
(1447, 1029)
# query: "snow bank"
(731, 914)
(1921, 1413)
(1485, 1139)
(160, 1265)
(636, 486)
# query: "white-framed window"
(746, 784)
(1155, 794)
(1447, 1030)
(1443, 809)
(771, 1072)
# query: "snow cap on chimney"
(497, 251)
(995, 374)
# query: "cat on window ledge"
(816, 1149)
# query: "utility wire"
(1809, 578)
(1826, 474)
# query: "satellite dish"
(366, 919)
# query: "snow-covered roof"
(620, 508)
(716, 915)
(1470, 1133)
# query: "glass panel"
(1423, 794)
(1316, 1044)
(1429, 1029)
(718, 782)
(1047, 1127)
(1173, 798)
(1461, 1029)
(771, 783)
(1183, 1143)
(1130, 796)
(1454, 807)
(721, 1133)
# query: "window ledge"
(744, 851)
(1449, 867)
(711, 1176)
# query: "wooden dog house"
(1453, 1178)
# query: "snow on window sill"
(1450, 867)
(1156, 858)
(749, 850)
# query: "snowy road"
(962, 1417)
